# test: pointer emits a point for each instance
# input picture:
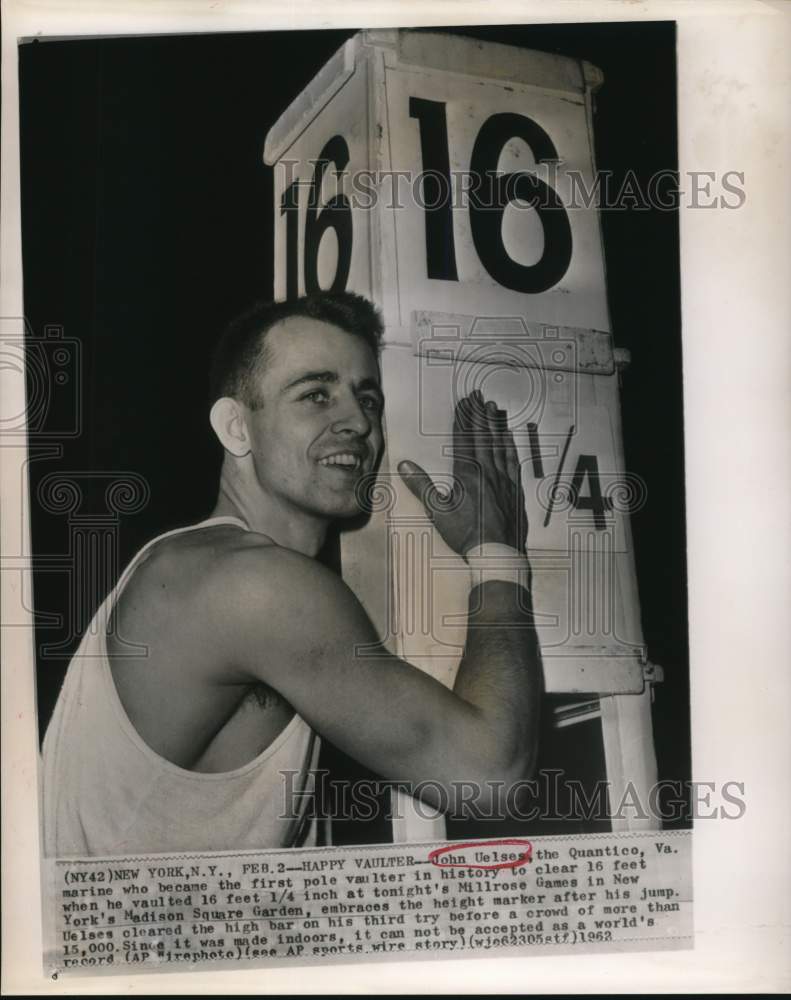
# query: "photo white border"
(734, 95)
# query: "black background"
(147, 223)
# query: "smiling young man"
(156, 743)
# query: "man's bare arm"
(286, 620)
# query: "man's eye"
(317, 396)
(371, 403)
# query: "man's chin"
(347, 501)
(337, 505)
(345, 512)
(349, 507)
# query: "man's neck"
(291, 529)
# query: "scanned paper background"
(733, 115)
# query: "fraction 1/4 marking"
(587, 466)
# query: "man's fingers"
(512, 459)
(488, 446)
(417, 479)
(498, 421)
(461, 418)
(482, 434)
(510, 456)
(463, 445)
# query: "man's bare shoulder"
(251, 607)
(190, 557)
(182, 569)
(233, 596)
(221, 563)
(261, 571)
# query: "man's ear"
(229, 423)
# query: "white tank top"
(107, 793)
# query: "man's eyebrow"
(327, 376)
(365, 385)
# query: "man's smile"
(345, 460)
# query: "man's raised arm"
(286, 620)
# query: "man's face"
(320, 427)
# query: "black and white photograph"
(355, 462)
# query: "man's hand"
(486, 503)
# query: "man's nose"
(351, 418)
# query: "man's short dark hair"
(240, 355)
